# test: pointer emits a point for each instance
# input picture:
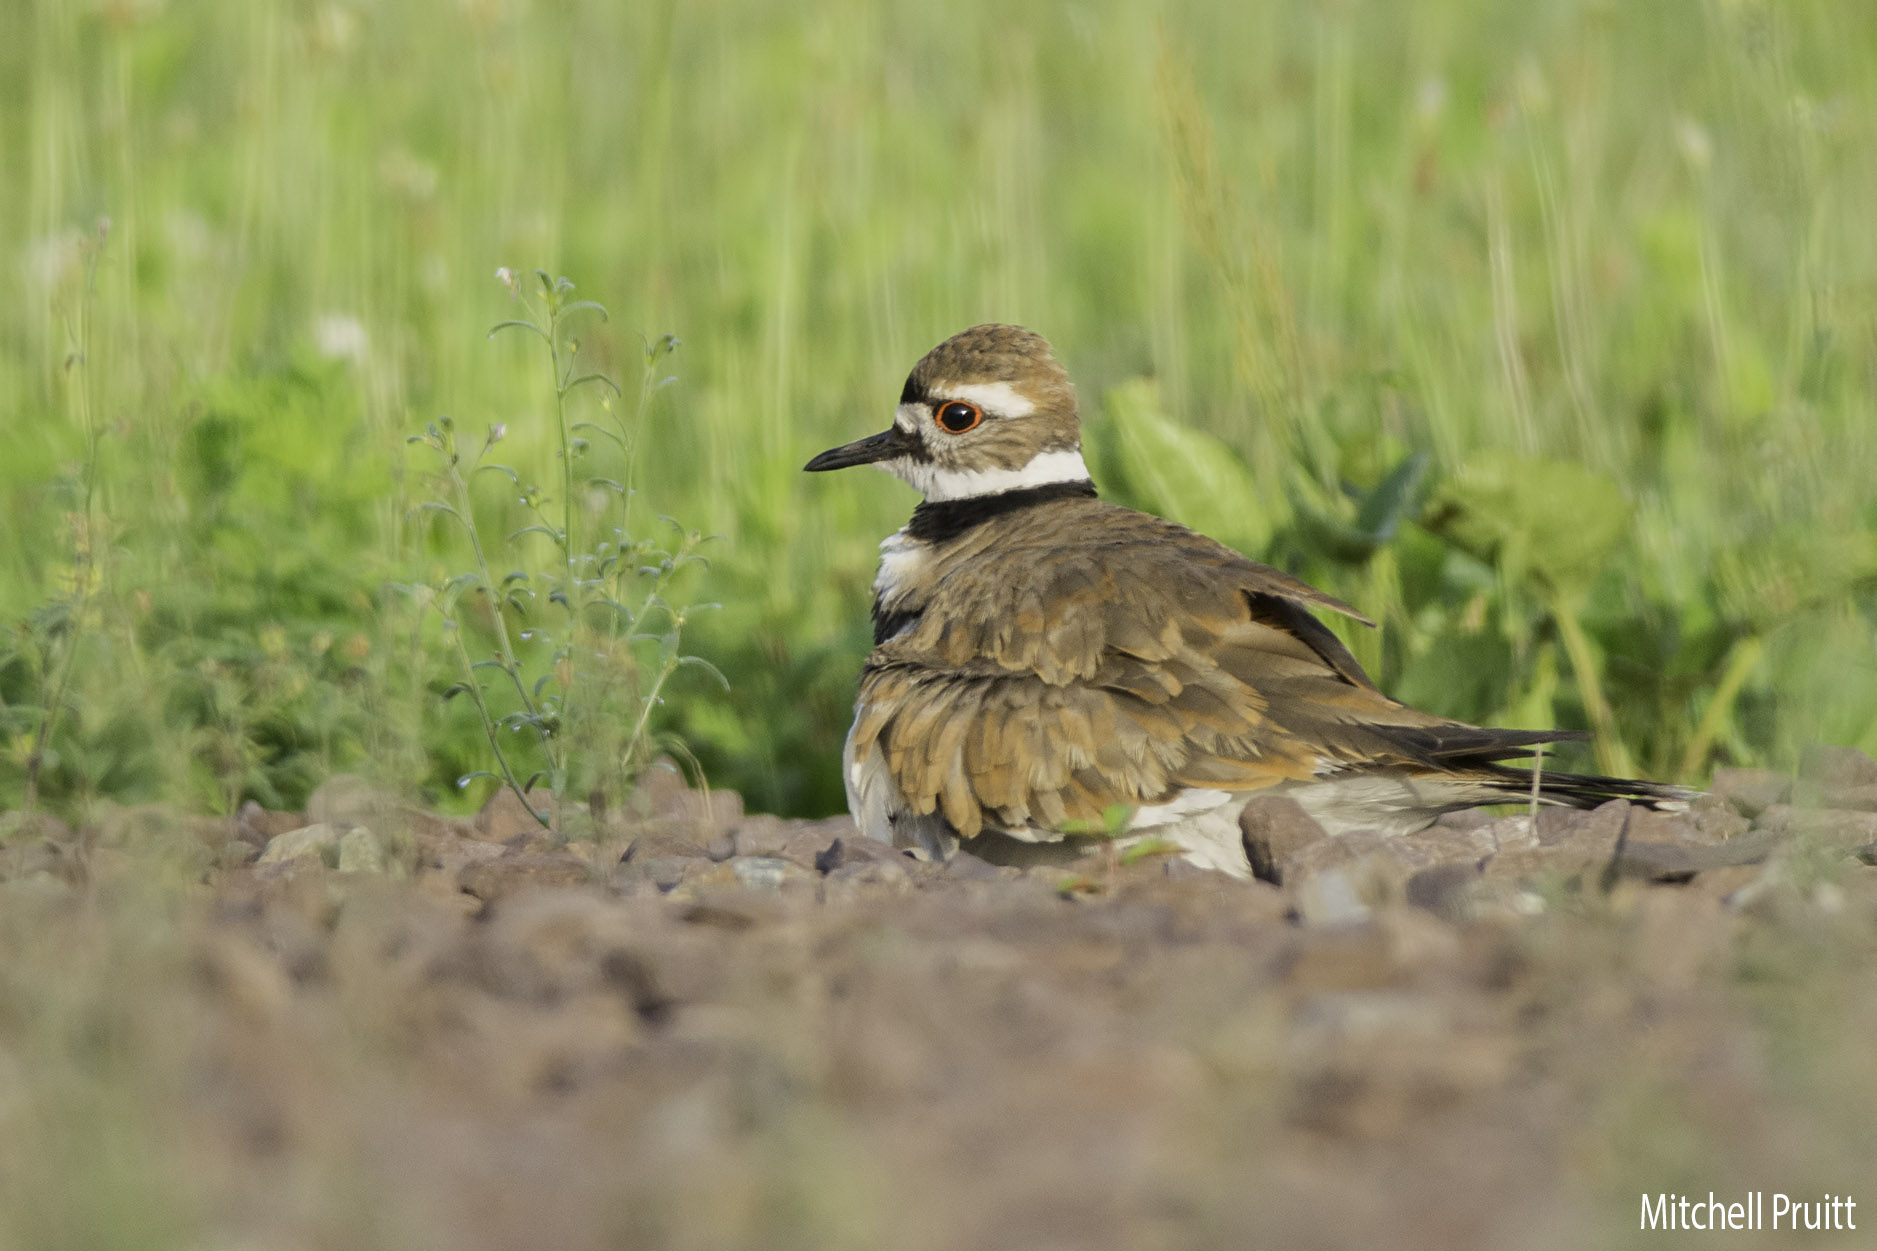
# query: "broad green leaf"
(1392, 498)
(1555, 519)
(1192, 477)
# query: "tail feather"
(1585, 790)
(1479, 755)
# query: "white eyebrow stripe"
(938, 484)
(998, 399)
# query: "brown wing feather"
(1068, 657)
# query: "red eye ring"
(958, 416)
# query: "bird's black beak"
(887, 445)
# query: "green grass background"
(1609, 266)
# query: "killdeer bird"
(1041, 656)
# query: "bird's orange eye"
(957, 416)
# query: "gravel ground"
(367, 1026)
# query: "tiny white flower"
(340, 336)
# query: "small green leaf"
(590, 307)
(1149, 847)
(595, 428)
(584, 379)
(529, 326)
(701, 663)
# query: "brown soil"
(757, 1033)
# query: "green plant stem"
(510, 665)
(631, 443)
(488, 730)
(648, 701)
(1612, 755)
(1742, 660)
(49, 719)
(83, 543)
(506, 650)
(569, 588)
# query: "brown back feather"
(1074, 655)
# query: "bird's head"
(989, 410)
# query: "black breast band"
(937, 521)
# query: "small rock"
(1681, 828)
(1752, 791)
(1560, 824)
(1727, 882)
(721, 848)
(535, 839)
(361, 852)
(799, 842)
(1597, 827)
(23, 859)
(806, 846)
(504, 816)
(1570, 843)
(871, 871)
(20, 827)
(650, 846)
(255, 824)
(665, 872)
(1440, 844)
(1345, 957)
(1855, 798)
(1338, 851)
(1678, 862)
(237, 852)
(764, 872)
(853, 848)
(347, 799)
(1516, 832)
(849, 883)
(1329, 897)
(664, 803)
(760, 835)
(1463, 819)
(491, 879)
(1442, 888)
(830, 859)
(1717, 818)
(968, 867)
(319, 841)
(1837, 767)
(1275, 828)
(1836, 827)
(1180, 869)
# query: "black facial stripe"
(910, 393)
(937, 521)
